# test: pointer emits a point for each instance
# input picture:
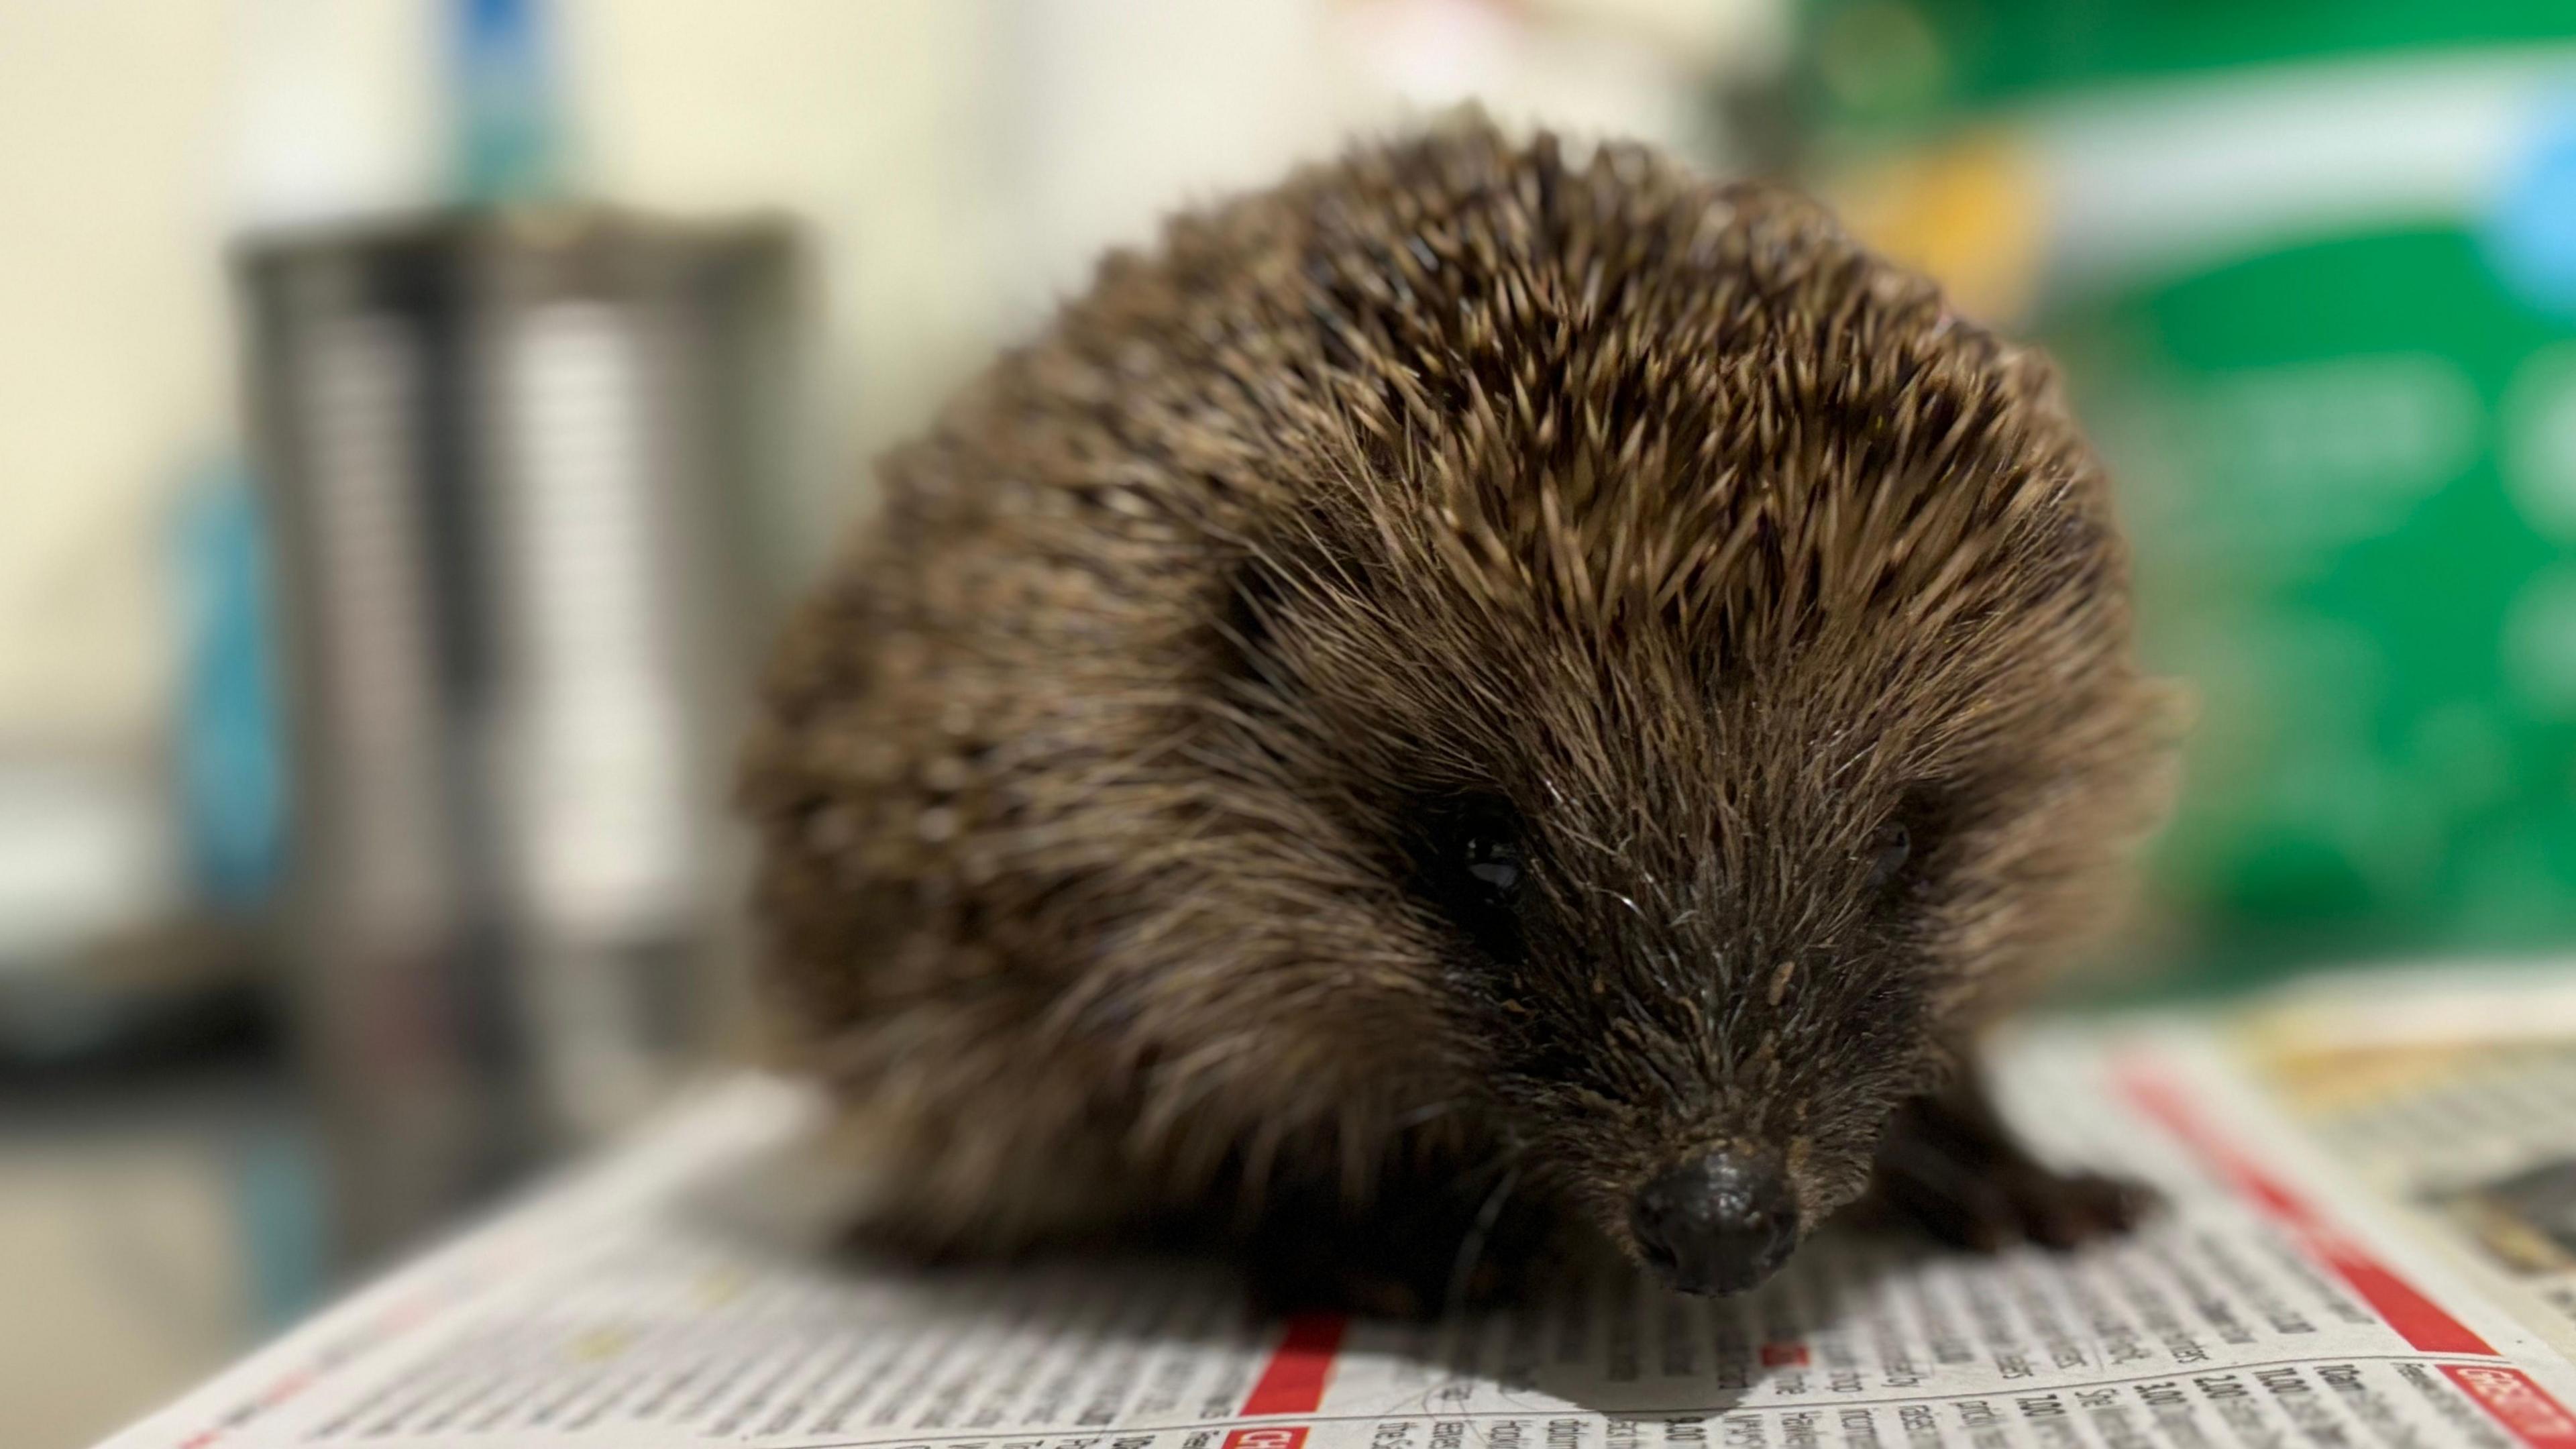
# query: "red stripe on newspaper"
(1268, 1436)
(2417, 1319)
(1293, 1381)
(2517, 1403)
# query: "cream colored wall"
(871, 123)
(134, 135)
(128, 152)
(109, 342)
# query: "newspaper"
(2371, 1244)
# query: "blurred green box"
(2311, 269)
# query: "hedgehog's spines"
(1092, 784)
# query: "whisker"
(1472, 1246)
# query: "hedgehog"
(1481, 705)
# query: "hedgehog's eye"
(1470, 862)
(1898, 854)
(1493, 865)
(1890, 850)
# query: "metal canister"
(519, 464)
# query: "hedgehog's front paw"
(1953, 1168)
(1991, 1207)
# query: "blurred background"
(413, 414)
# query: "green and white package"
(2311, 271)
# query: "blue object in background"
(283, 1196)
(506, 123)
(2531, 238)
(231, 765)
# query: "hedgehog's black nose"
(1716, 1224)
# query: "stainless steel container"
(520, 463)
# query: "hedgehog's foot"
(1418, 1255)
(1953, 1167)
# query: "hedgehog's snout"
(1720, 1223)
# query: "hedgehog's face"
(1698, 1013)
(1704, 913)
